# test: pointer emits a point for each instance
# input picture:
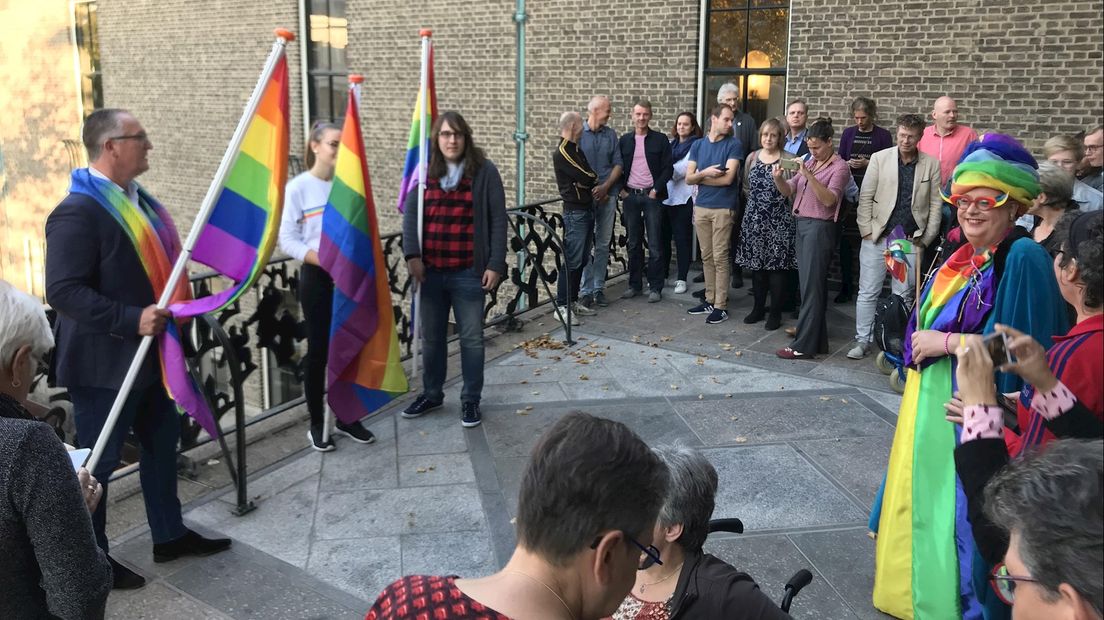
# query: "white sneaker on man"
(858, 351)
(561, 316)
(680, 287)
(582, 310)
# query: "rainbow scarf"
(923, 561)
(364, 369)
(413, 146)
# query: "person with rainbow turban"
(925, 559)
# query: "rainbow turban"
(998, 162)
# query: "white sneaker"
(561, 316)
(858, 351)
(680, 287)
(581, 310)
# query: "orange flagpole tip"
(425, 32)
(285, 34)
(356, 78)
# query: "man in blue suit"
(105, 303)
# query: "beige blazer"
(878, 195)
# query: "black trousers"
(316, 296)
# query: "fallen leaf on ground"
(421, 470)
(728, 395)
(701, 396)
(584, 378)
(700, 361)
(825, 398)
(843, 400)
(741, 439)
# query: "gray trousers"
(816, 240)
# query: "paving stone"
(355, 466)
(362, 567)
(158, 601)
(591, 389)
(510, 472)
(280, 526)
(437, 432)
(754, 420)
(296, 468)
(241, 588)
(859, 463)
(771, 561)
(514, 394)
(467, 554)
(391, 512)
(841, 374)
(566, 370)
(772, 487)
(435, 469)
(890, 400)
(846, 560)
(753, 380)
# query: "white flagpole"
(208, 204)
(423, 164)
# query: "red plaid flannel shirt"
(449, 236)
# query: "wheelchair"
(797, 582)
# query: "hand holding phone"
(999, 351)
(790, 164)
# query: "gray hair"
(691, 495)
(22, 323)
(726, 89)
(568, 120)
(596, 101)
(97, 127)
(1054, 501)
(1057, 184)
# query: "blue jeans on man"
(643, 216)
(156, 424)
(578, 237)
(462, 291)
(594, 273)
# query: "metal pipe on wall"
(520, 135)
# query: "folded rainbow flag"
(413, 148)
(364, 371)
(898, 247)
(240, 235)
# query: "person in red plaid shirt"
(586, 515)
(462, 256)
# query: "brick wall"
(1029, 69)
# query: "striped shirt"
(301, 225)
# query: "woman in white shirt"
(678, 216)
(305, 200)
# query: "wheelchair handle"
(799, 580)
(735, 526)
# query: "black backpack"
(891, 318)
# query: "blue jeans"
(643, 216)
(462, 291)
(578, 236)
(594, 273)
(157, 425)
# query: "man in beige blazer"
(901, 188)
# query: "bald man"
(945, 139)
(599, 143)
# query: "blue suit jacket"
(96, 283)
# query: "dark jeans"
(677, 223)
(462, 292)
(643, 215)
(846, 225)
(578, 239)
(316, 296)
(156, 423)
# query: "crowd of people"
(993, 499)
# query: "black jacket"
(657, 150)
(96, 282)
(574, 176)
(710, 588)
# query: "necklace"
(546, 587)
(643, 586)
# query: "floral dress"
(768, 228)
(633, 608)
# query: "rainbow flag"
(240, 234)
(363, 370)
(413, 148)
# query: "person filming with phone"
(49, 562)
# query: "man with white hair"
(575, 180)
(104, 286)
(599, 143)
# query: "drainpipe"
(520, 136)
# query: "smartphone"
(790, 164)
(997, 345)
(78, 457)
(722, 169)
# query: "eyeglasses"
(449, 135)
(1093, 147)
(651, 554)
(141, 137)
(1004, 584)
(985, 203)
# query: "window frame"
(740, 75)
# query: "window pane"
(762, 4)
(321, 106)
(768, 32)
(766, 97)
(340, 89)
(339, 38)
(727, 37)
(319, 41)
(713, 85)
(728, 4)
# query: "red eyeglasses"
(985, 203)
(1004, 584)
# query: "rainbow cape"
(363, 370)
(413, 147)
(236, 241)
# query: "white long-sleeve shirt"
(301, 227)
(678, 191)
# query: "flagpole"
(423, 164)
(208, 204)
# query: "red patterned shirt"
(428, 597)
(449, 239)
